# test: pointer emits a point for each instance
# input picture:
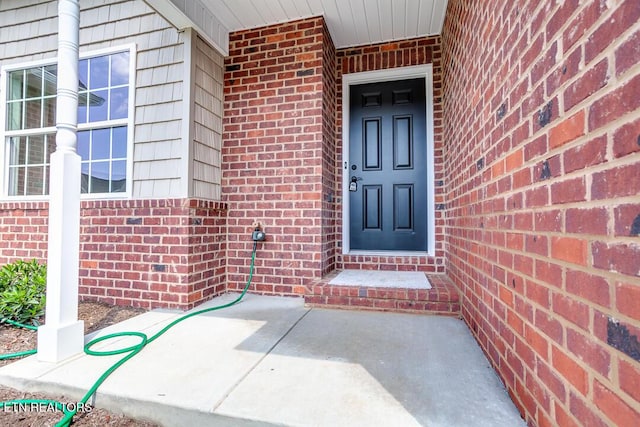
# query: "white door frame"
(418, 71)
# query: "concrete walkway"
(272, 361)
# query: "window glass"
(28, 160)
(119, 143)
(119, 176)
(15, 81)
(14, 115)
(17, 180)
(99, 177)
(35, 181)
(103, 108)
(82, 107)
(83, 144)
(18, 150)
(98, 105)
(99, 150)
(98, 72)
(34, 83)
(32, 114)
(37, 150)
(50, 141)
(120, 69)
(50, 80)
(49, 112)
(84, 179)
(100, 144)
(119, 100)
(83, 75)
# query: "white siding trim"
(185, 14)
(418, 71)
(4, 153)
(131, 119)
(187, 114)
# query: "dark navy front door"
(388, 166)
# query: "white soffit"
(350, 22)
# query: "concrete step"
(443, 298)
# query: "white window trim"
(418, 71)
(129, 122)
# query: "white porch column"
(62, 335)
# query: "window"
(104, 110)
(30, 126)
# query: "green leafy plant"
(22, 291)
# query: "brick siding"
(543, 176)
(282, 150)
(276, 159)
(331, 232)
(142, 253)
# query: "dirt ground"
(96, 316)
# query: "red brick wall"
(273, 155)
(143, 253)
(283, 149)
(331, 233)
(542, 154)
(23, 231)
(383, 56)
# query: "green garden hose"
(71, 410)
(19, 353)
(20, 325)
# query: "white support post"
(62, 336)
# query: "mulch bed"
(96, 316)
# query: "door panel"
(387, 151)
(402, 143)
(372, 141)
(372, 207)
(403, 207)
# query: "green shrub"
(22, 291)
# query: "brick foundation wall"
(420, 51)
(143, 253)
(272, 154)
(542, 149)
(23, 231)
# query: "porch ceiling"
(350, 22)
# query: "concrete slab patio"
(273, 361)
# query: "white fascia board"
(194, 14)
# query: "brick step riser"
(442, 299)
(360, 303)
